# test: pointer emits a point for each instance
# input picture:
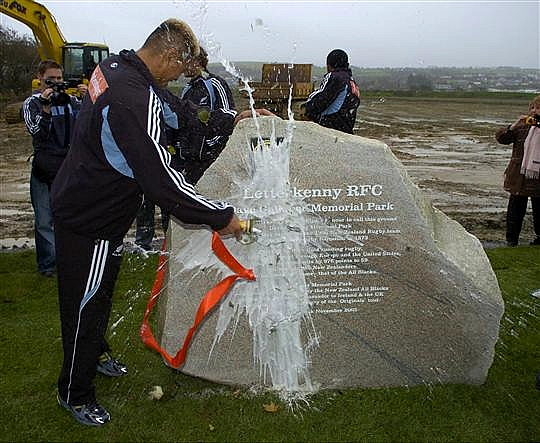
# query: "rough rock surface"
(386, 290)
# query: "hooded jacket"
(335, 102)
(119, 152)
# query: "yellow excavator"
(78, 59)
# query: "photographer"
(49, 116)
(522, 175)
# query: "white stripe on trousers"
(97, 267)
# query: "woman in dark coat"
(521, 177)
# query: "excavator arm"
(78, 59)
(37, 17)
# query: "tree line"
(19, 60)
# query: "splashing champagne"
(250, 234)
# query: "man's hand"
(82, 89)
(232, 228)
(249, 114)
(45, 99)
(520, 120)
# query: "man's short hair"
(202, 58)
(173, 34)
(337, 59)
(536, 101)
(48, 64)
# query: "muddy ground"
(448, 148)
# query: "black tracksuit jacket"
(201, 147)
(50, 133)
(334, 104)
(119, 152)
(197, 151)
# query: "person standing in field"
(49, 114)
(522, 175)
(335, 102)
(212, 94)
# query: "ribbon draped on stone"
(208, 302)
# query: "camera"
(533, 120)
(59, 96)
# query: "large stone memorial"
(360, 280)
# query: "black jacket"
(50, 134)
(211, 92)
(335, 102)
(196, 150)
(119, 152)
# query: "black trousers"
(145, 228)
(87, 272)
(517, 207)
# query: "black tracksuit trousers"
(87, 272)
(517, 207)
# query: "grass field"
(506, 408)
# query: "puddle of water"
(8, 212)
(492, 121)
(17, 243)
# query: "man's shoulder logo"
(97, 85)
(354, 88)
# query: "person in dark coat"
(211, 94)
(521, 177)
(194, 151)
(335, 102)
(49, 122)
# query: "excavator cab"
(80, 59)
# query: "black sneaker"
(538, 381)
(48, 273)
(91, 414)
(110, 366)
(142, 248)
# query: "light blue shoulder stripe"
(110, 148)
(335, 106)
(210, 88)
(171, 119)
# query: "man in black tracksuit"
(118, 153)
(208, 91)
(335, 102)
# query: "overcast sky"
(374, 33)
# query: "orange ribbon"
(208, 302)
